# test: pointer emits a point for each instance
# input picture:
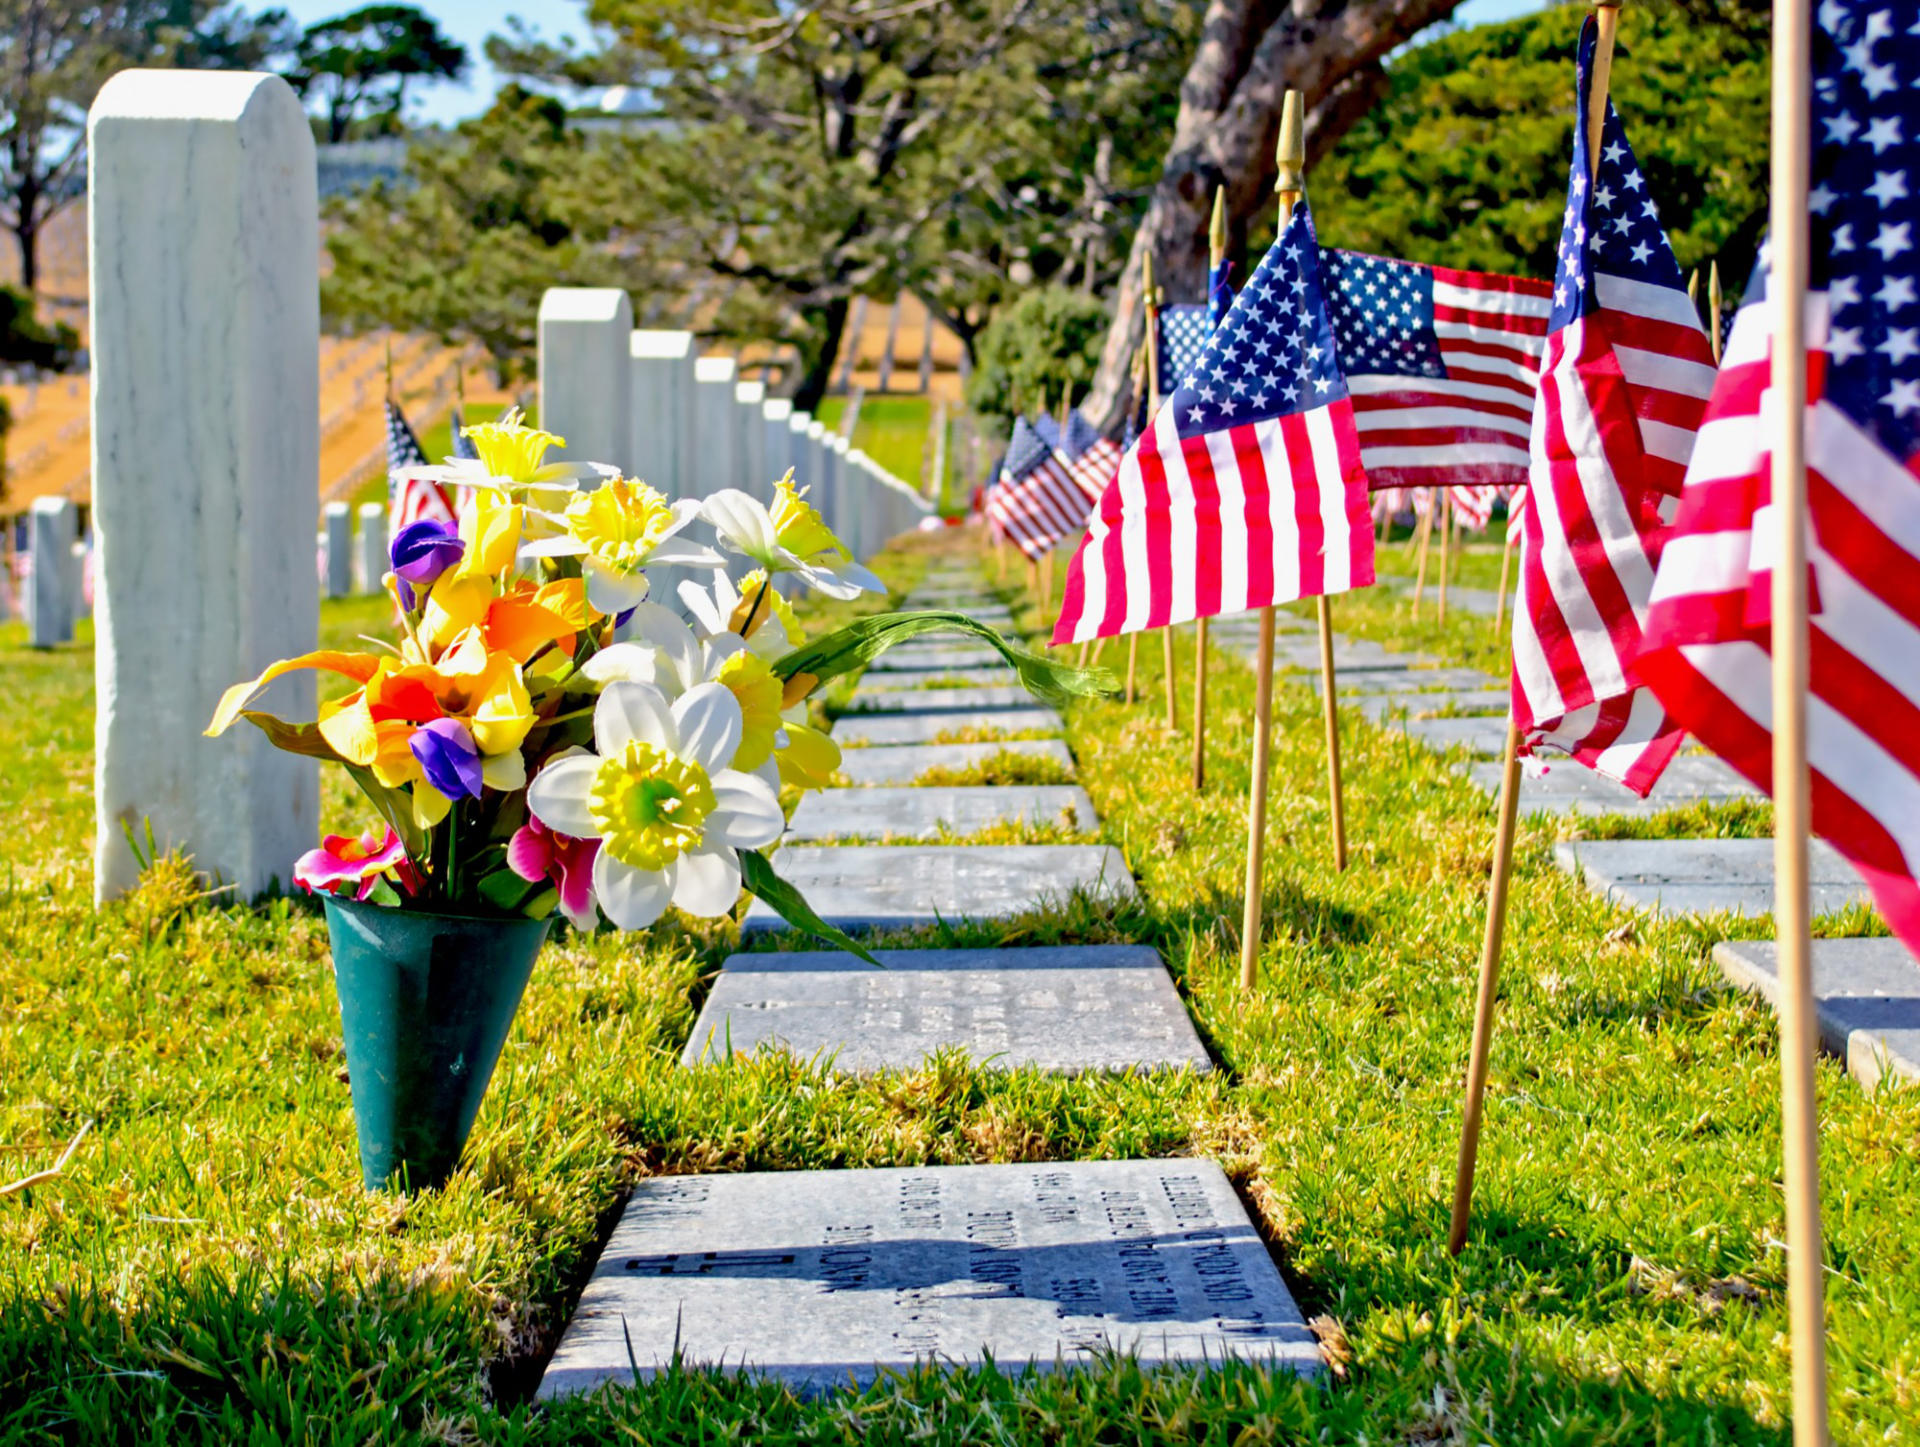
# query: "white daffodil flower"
(662, 652)
(750, 609)
(789, 537)
(618, 532)
(662, 797)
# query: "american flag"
(410, 498)
(1090, 457)
(1625, 378)
(1709, 632)
(1219, 295)
(1247, 489)
(1183, 336)
(1036, 502)
(1441, 365)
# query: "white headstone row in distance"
(689, 426)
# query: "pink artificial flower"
(340, 860)
(535, 853)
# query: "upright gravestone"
(339, 525)
(813, 471)
(49, 582)
(800, 446)
(776, 437)
(859, 496)
(717, 425)
(203, 228)
(660, 369)
(753, 477)
(373, 545)
(841, 508)
(584, 388)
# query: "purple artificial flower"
(448, 757)
(421, 552)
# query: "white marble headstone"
(584, 387)
(204, 230)
(49, 592)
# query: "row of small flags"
(1638, 472)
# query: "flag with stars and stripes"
(1035, 503)
(1090, 457)
(1219, 295)
(411, 498)
(1624, 381)
(1442, 366)
(1183, 335)
(1709, 633)
(1247, 489)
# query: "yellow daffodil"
(791, 537)
(758, 692)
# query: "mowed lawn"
(209, 1270)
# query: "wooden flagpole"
(1446, 552)
(1507, 545)
(1291, 156)
(1713, 310)
(1150, 308)
(1426, 536)
(1216, 254)
(1788, 229)
(1607, 18)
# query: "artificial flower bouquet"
(546, 734)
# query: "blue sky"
(471, 21)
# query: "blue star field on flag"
(1183, 334)
(1274, 353)
(1383, 315)
(1616, 228)
(1866, 214)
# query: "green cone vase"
(426, 1001)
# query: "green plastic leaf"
(384, 895)
(756, 872)
(505, 890)
(395, 807)
(864, 640)
(292, 738)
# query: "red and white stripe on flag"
(1709, 634)
(419, 499)
(1036, 502)
(1246, 490)
(1622, 387)
(1710, 627)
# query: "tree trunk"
(26, 236)
(818, 375)
(1251, 53)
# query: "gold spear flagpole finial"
(1714, 313)
(1606, 14)
(1217, 229)
(1693, 286)
(1290, 155)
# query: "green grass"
(208, 1269)
(894, 432)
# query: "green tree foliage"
(1046, 343)
(54, 57)
(358, 66)
(1464, 161)
(464, 247)
(786, 160)
(24, 338)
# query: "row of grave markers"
(206, 456)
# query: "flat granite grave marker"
(1382, 706)
(920, 813)
(893, 700)
(1485, 736)
(928, 725)
(1414, 681)
(819, 1279)
(1064, 1008)
(893, 886)
(934, 657)
(1866, 996)
(1703, 876)
(1568, 788)
(1304, 653)
(949, 678)
(904, 763)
